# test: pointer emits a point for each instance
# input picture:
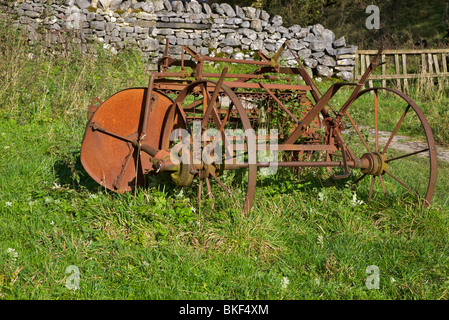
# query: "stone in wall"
(216, 29)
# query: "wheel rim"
(405, 167)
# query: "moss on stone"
(91, 9)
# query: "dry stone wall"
(216, 30)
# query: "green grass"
(160, 243)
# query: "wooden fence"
(404, 65)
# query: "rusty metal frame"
(192, 79)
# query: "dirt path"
(407, 144)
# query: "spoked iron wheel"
(215, 117)
(400, 166)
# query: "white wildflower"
(13, 254)
(321, 196)
(48, 199)
(320, 240)
(284, 283)
(355, 201)
(8, 204)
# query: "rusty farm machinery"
(188, 124)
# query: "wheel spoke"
(358, 132)
(395, 129)
(209, 192)
(225, 120)
(200, 189)
(376, 120)
(402, 183)
(212, 111)
(359, 179)
(193, 105)
(383, 185)
(407, 155)
(221, 125)
(213, 99)
(220, 183)
(371, 187)
(205, 97)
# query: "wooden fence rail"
(408, 64)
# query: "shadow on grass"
(70, 172)
(306, 180)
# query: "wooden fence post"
(444, 62)
(367, 60)
(396, 62)
(404, 71)
(430, 67)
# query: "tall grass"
(39, 83)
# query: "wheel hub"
(376, 163)
(183, 176)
